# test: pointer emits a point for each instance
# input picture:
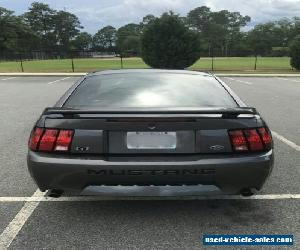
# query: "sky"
(95, 14)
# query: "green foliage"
(42, 28)
(83, 41)
(278, 34)
(295, 52)
(168, 43)
(127, 33)
(67, 27)
(259, 39)
(40, 18)
(54, 29)
(8, 26)
(280, 51)
(15, 36)
(131, 46)
(219, 30)
(105, 38)
(146, 20)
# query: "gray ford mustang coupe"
(150, 127)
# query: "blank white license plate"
(151, 140)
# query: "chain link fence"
(86, 61)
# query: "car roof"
(125, 71)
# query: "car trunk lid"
(143, 132)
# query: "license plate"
(151, 140)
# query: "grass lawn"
(232, 64)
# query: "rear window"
(134, 90)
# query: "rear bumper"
(229, 173)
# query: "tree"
(219, 33)
(283, 32)
(83, 41)
(15, 36)
(8, 24)
(133, 31)
(167, 43)
(41, 20)
(229, 25)
(200, 19)
(105, 38)
(55, 29)
(147, 19)
(67, 27)
(295, 52)
(217, 29)
(295, 30)
(260, 39)
(131, 46)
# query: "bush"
(295, 52)
(167, 43)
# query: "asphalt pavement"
(144, 224)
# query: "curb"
(43, 74)
(217, 74)
(257, 75)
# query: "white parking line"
(14, 227)
(35, 199)
(241, 81)
(9, 78)
(288, 79)
(31, 203)
(286, 141)
(58, 80)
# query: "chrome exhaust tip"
(247, 192)
(55, 193)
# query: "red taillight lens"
(64, 140)
(250, 139)
(266, 137)
(238, 140)
(254, 140)
(48, 140)
(35, 138)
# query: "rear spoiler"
(166, 112)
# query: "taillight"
(254, 140)
(35, 138)
(238, 140)
(266, 137)
(49, 140)
(63, 141)
(243, 140)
